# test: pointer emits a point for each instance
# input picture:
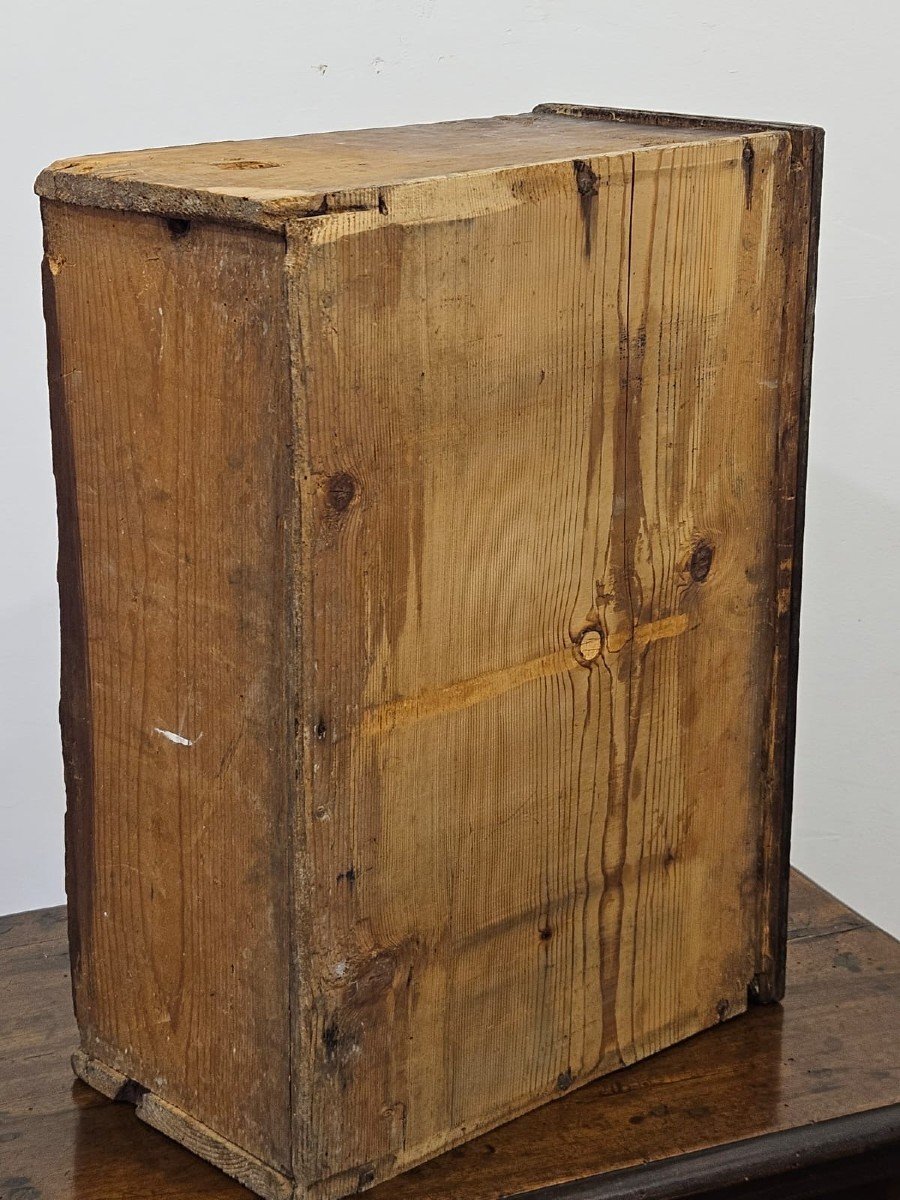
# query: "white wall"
(93, 76)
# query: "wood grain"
(799, 207)
(267, 181)
(829, 1056)
(555, 413)
(175, 710)
(429, 565)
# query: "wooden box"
(430, 512)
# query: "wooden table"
(788, 1101)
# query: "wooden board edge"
(663, 120)
(299, 882)
(759, 1158)
(162, 200)
(76, 728)
(769, 982)
(260, 1178)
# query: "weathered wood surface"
(830, 1054)
(171, 369)
(266, 181)
(484, 796)
(429, 584)
(802, 197)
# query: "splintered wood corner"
(429, 612)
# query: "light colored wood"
(456, 529)
(267, 181)
(532, 867)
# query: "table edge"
(759, 1158)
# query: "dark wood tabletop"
(793, 1100)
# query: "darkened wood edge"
(75, 682)
(166, 201)
(182, 1128)
(640, 116)
(812, 269)
(758, 1158)
(299, 887)
(768, 987)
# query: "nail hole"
(321, 730)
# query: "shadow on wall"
(32, 801)
(846, 810)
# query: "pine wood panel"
(169, 367)
(539, 464)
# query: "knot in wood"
(701, 562)
(340, 489)
(585, 178)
